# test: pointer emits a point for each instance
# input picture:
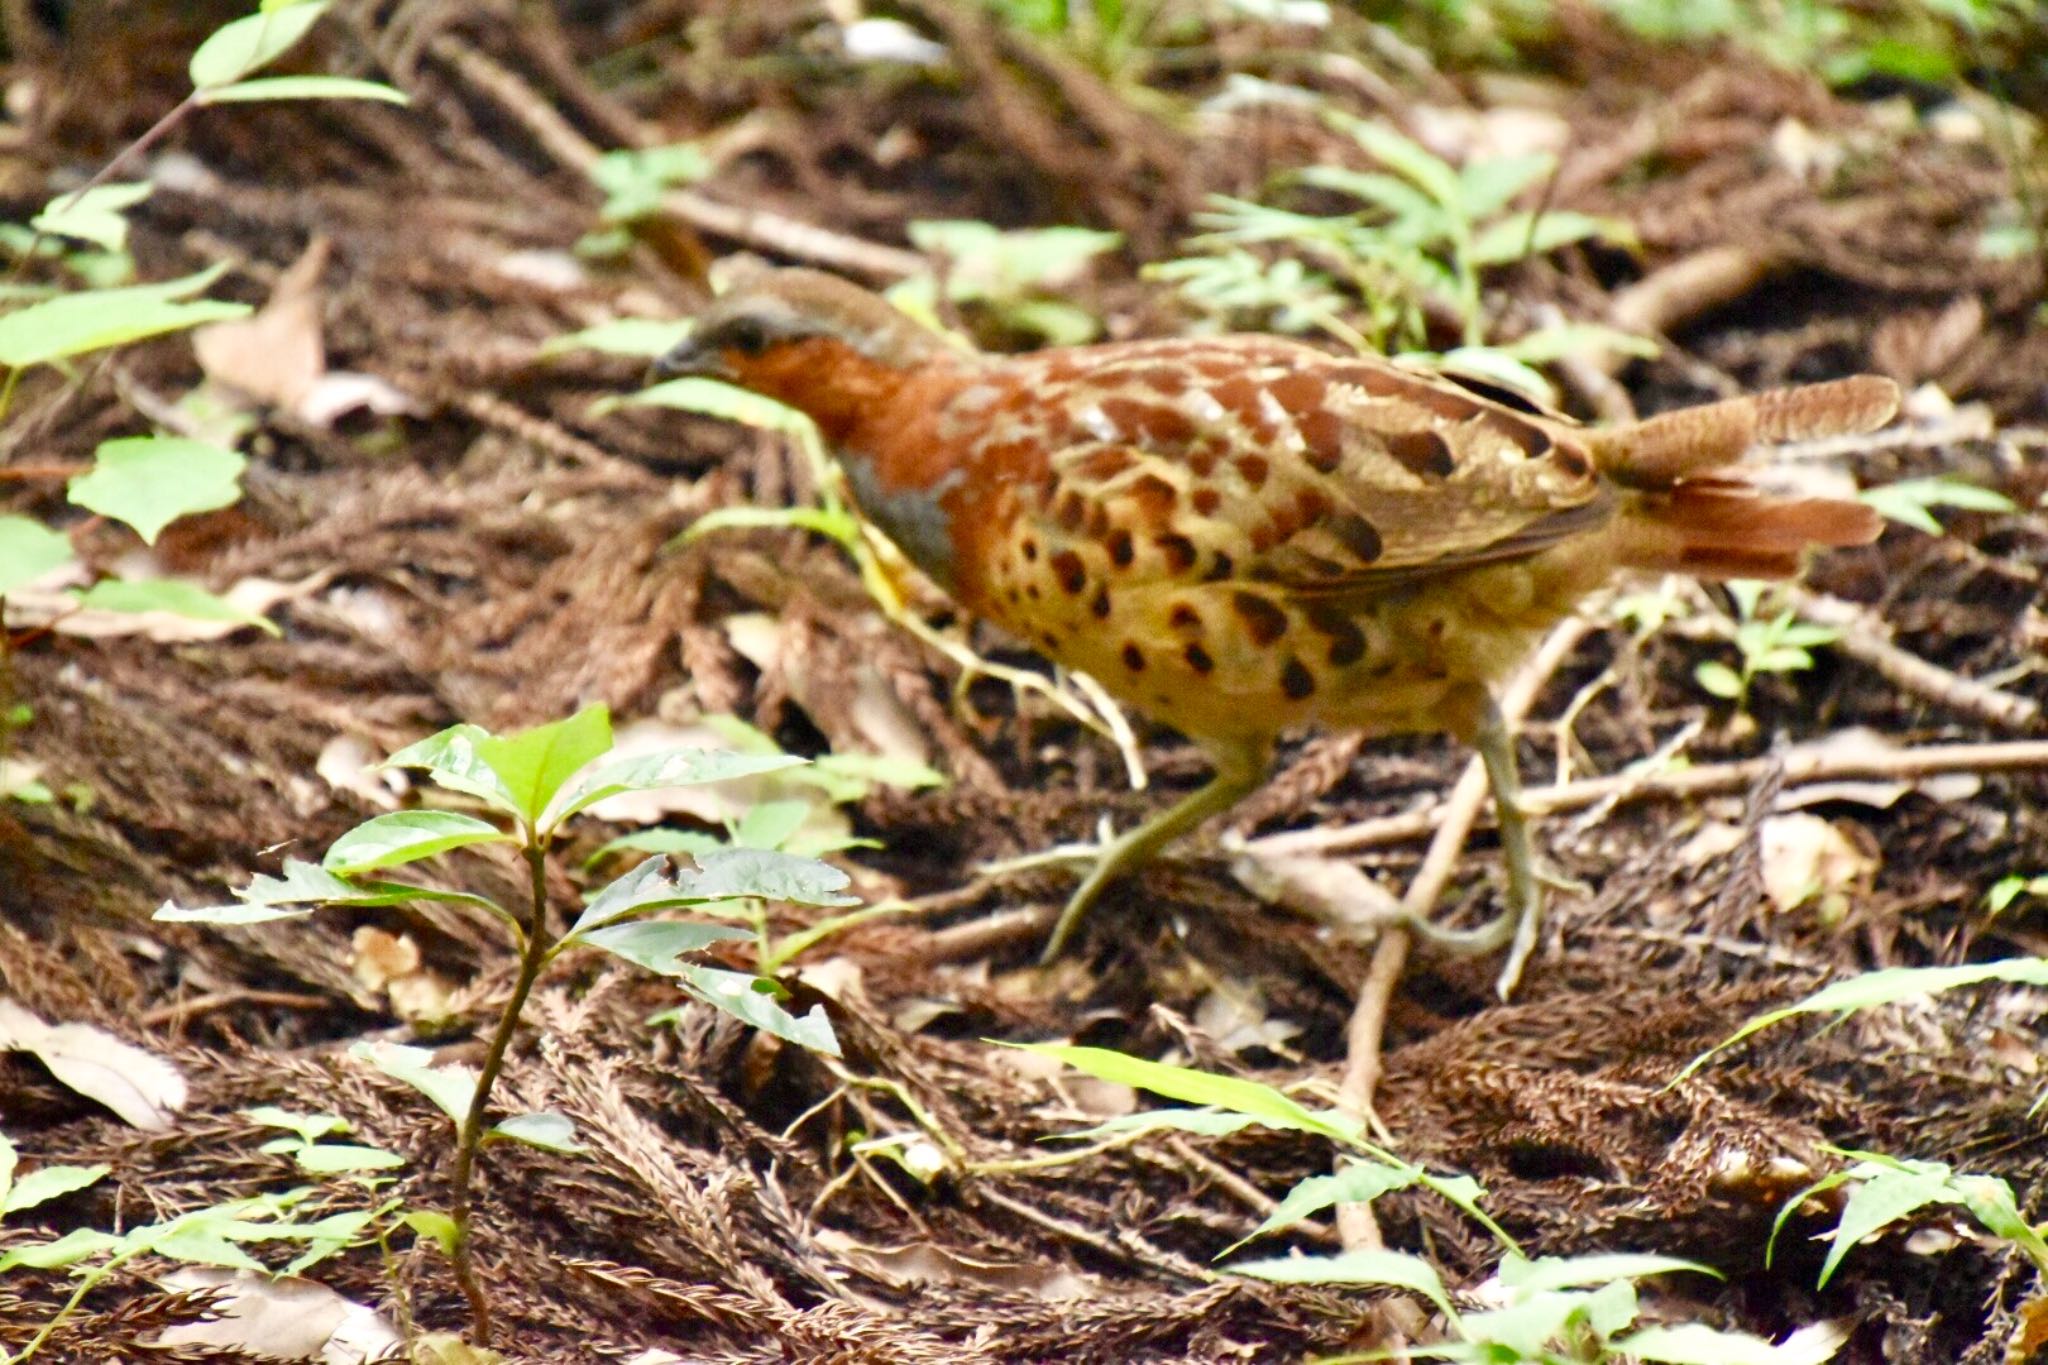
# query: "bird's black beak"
(689, 360)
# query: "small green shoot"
(1886, 987)
(1888, 1189)
(2009, 889)
(1777, 643)
(531, 783)
(1910, 501)
(1014, 275)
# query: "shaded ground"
(497, 557)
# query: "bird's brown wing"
(1331, 477)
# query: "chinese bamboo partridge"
(1238, 535)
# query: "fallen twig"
(1867, 639)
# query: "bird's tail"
(1696, 511)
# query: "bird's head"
(807, 339)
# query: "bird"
(1242, 535)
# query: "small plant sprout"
(1775, 643)
(2017, 886)
(1910, 502)
(532, 783)
(1885, 1190)
(1550, 1311)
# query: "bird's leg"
(1239, 770)
(1518, 925)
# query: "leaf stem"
(533, 957)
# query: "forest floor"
(489, 541)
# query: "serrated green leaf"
(28, 550)
(452, 759)
(172, 595)
(94, 319)
(303, 88)
(46, 1183)
(93, 215)
(150, 481)
(549, 1131)
(250, 43)
(658, 945)
(1251, 1098)
(406, 836)
(765, 875)
(534, 764)
(751, 1000)
(657, 771)
(77, 1245)
(451, 1088)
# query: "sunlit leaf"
(303, 88)
(42, 1185)
(451, 1088)
(94, 319)
(150, 481)
(94, 215)
(551, 1132)
(28, 550)
(1263, 1102)
(646, 337)
(406, 836)
(534, 764)
(658, 945)
(250, 43)
(752, 1000)
(173, 595)
(656, 771)
(1390, 1269)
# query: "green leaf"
(451, 1088)
(1208, 1122)
(74, 1246)
(656, 771)
(1238, 1096)
(710, 398)
(28, 550)
(551, 1132)
(201, 1244)
(303, 885)
(303, 88)
(1405, 157)
(1547, 1273)
(437, 1227)
(1356, 1182)
(406, 836)
(247, 44)
(838, 771)
(173, 595)
(534, 764)
(93, 215)
(309, 1127)
(1885, 987)
(690, 841)
(648, 337)
(1522, 235)
(150, 481)
(1391, 1269)
(453, 760)
(658, 945)
(1489, 184)
(94, 319)
(345, 1158)
(1908, 501)
(766, 875)
(46, 1183)
(769, 824)
(1719, 679)
(1694, 1343)
(751, 1000)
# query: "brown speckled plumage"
(1243, 534)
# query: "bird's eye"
(748, 336)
